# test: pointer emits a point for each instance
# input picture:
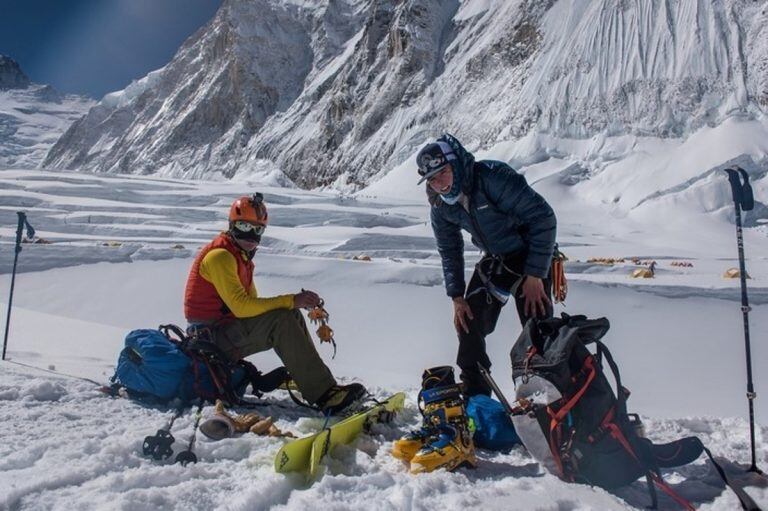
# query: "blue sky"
(97, 46)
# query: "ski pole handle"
(741, 189)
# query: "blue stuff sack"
(151, 366)
(493, 427)
(154, 369)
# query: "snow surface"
(121, 248)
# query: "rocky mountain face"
(334, 92)
(32, 116)
(11, 75)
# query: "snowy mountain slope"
(32, 116)
(677, 339)
(338, 92)
(221, 86)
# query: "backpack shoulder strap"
(180, 339)
(621, 392)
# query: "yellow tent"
(642, 273)
(733, 273)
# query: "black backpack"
(571, 420)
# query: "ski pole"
(743, 200)
(158, 446)
(30, 233)
(187, 457)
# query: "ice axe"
(522, 406)
(744, 200)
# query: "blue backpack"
(156, 368)
(493, 427)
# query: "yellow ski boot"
(451, 447)
(407, 446)
(444, 440)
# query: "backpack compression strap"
(746, 501)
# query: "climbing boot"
(451, 446)
(444, 440)
(406, 447)
(341, 397)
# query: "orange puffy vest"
(201, 300)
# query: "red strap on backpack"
(556, 418)
(617, 434)
(589, 365)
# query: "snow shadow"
(387, 242)
(45, 257)
(95, 180)
(305, 217)
(699, 484)
(757, 295)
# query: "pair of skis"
(304, 454)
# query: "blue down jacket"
(506, 216)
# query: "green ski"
(305, 454)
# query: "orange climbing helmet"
(248, 218)
(249, 209)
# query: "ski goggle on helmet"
(433, 158)
(248, 217)
(243, 226)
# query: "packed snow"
(119, 252)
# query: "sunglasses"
(244, 226)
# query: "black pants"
(486, 309)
